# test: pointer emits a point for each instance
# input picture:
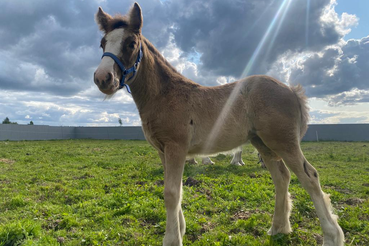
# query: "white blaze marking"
(113, 45)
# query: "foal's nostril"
(103, 79)
(109, 77)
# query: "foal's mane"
(157, 55)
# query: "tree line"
(7, 121)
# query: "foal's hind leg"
(281, 178)
(309, 179)
(237, 158)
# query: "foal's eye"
(132, 44)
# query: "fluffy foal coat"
(179, 117)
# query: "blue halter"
(125, 71)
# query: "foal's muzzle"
(132, 70)
(106, 81)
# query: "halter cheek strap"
(125, 71)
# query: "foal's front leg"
(175, 157)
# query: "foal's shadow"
(218, 169)
(222, 167)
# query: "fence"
(329, 132)
(34, 132)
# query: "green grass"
(91, 192)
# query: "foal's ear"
(135, 18)
(102, 19)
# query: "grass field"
(92, 192)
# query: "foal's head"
(122, 38)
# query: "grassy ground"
(90, 192)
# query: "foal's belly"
(213, 142)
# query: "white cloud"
(190, 69)
(341, 23)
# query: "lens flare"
(249, 29)
(276, 30)
(252, 60)
(307, 23)
(231, 99)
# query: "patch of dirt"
(254, 175)
(84, 176)
(61, 240)
(366, 184)
(344, 191)
(4, 181)
(206, 227)
(52, 224)
(141, 183)
(159, 182)
(7, 161)
(318, 239)
(206, 192)
(192, 182)
(244, 214)
(354, 201)
(149, 223)
(106, 189)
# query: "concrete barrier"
(337, 132)
(34, 132)
(125, 132)
(329, 132)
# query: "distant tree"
(120, 121)
(30, 123)
(6, 121)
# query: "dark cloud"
(352, 97)
(228, 32)
(61, 39)
(338, 70)
(49, 46)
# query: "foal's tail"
(304, 108)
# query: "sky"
(49, 50)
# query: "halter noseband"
(125, 71)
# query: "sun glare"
(278, 18)
(307, 23)
(254, 56)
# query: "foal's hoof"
(236, 164)
(284, 230)
(172, 241)
(334, 238)
(192, 161)
(207, 161)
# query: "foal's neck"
(155, 78)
